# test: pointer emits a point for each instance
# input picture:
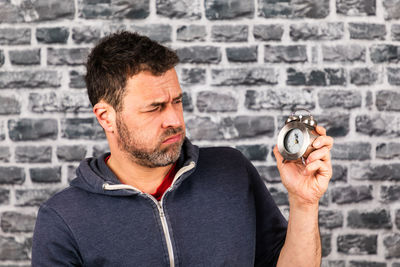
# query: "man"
(158, 200)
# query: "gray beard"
(149, 158)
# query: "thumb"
(278, 156)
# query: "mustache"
(171, 131)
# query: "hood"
(93, 174)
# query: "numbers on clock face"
(294, 140)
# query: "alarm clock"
(296, 137)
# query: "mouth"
(173, 139)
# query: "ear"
(105, 115)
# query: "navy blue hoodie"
(217, 212)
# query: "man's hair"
(118, 57)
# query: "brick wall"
(245, 65)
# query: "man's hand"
(307, 183)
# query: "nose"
(172, 117)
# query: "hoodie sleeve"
(271, 226)
(53, 241)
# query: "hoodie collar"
(93, 173)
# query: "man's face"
(150, 125)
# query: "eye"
(154, 109)
(178, 101)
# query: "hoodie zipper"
(159, 205)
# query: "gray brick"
(199, 54)
(369, 100)
(395, 32)
(2, 130)
(389, 150)
(25, 57)
(326, 244)
(351, 194)
(397, 219)
(52, 10)
(391, 9)
(15, 222)
(188, 9)
(33, 197)
(381, 53)
(248, 126)
(330, 219)
(190, 33)
(378, 125)
(85, 34)
(288, 99)
(286, 54)
(71, 153)
(100, 149)
(57, 35)
(393, 76)
(343, 53)
(352, 151)
(33, 154)
(280, 197)
(336, 124)
(363, 76)
(10, 13)
(375, 172)
(29, 79)
(119, 9)
(367, 31)
(366, 264)
(316, 77)
(1, 58)
(326, 263)
(269, 174)
(228, 9)
(193, 76)
(157, 32)
(388, 100)
(339, 98)
(356, 8)
(208, 101)
(229, 33)
(5, 154)
(32, 129)
(81, 128)
(396, 264)
(244, 76)
(203, 128)
(254, 152)
(293, 9)
(77, 80)
(12, 250)
(339, 174)
(45, 175)
(355, 244)
(12, 175)
(375, 219)
(242, 54)
(4, 196)
(9, 105)
(392, 245)
(67, 56)
(390, 193)
(317, 31)
(61, 102)
(10, 36)
(187, 102)
(271, 32)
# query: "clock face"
(294, 141)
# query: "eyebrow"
(156, 104)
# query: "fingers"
(319, 154)
(323, 169)
(323, 141)
(320, 130)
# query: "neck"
(143, 178)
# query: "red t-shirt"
(166, 183)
